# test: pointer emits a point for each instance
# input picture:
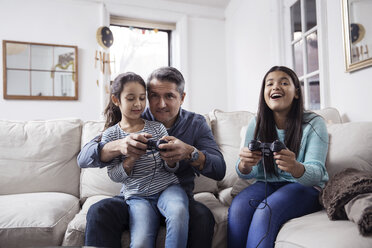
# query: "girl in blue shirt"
(288, 182)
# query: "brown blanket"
(342, 188)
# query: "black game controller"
(154, 144)
(267, 149)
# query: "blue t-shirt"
(312, 154)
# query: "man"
(190, 143)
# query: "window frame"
(320, 29)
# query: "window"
(140, 47)
(304, 49)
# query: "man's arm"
(210, 162)
(89, 156)
(214, 166)
(97, 154)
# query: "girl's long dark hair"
(112, 112)
(266, 129)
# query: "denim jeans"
(109, 218)
(144, 218)
(251, 222)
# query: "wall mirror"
(357, 31)
(40, 71)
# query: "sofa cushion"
(316, 230)
(241, 183)
(35, 219)
(226, 128)
(330, 115)
(205, 184)
(350, 145)
(95, 181)
(38, 156)
(76, 228)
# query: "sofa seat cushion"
(316, 230)
(35, 219)
(76, 228)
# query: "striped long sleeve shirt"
(150, 174)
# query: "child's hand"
(134, 144)
(128, 164)
(286, 161)
(248, 159)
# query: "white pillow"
(226, 128)
(95, 181)
(241, 183)
(350, 146)
(39, 156)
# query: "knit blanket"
(341, 189)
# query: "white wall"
(251, 45)
(75, 22)
(54, 22)
(249, 51)
(207, 64)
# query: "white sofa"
(44, 196)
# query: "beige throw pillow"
(241, 183)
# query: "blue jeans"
(144, 218)
(251, 222)
(109, 218)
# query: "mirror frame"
(349, 65)
(52, 71)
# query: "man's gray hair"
(169, 74)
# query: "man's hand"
(176, 150)
(134, 145)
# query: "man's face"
(165, 101)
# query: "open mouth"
(276, 96)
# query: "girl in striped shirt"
(150, 187)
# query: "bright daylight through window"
(140, 50)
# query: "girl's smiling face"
(279, 92)
(132, 101)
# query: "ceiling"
(209, 3)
